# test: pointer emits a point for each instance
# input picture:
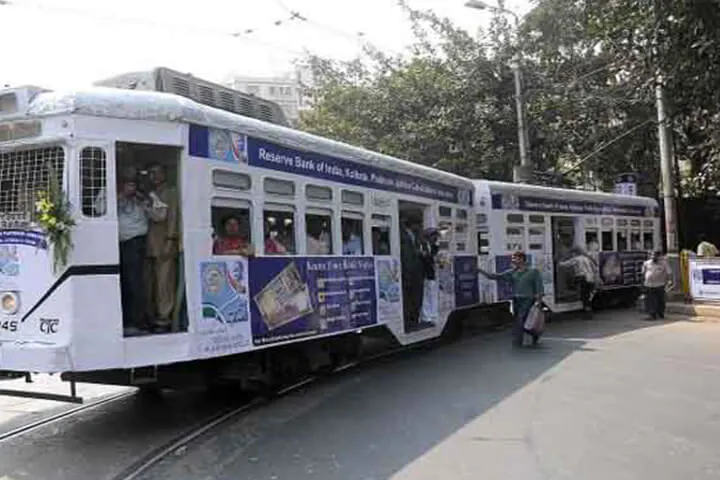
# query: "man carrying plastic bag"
(527, 291)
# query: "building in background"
(290, 91)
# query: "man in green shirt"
(527, 289)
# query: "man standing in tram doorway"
(162, 250)
(413, 273)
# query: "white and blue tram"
(233, 315)
(617, 230)
(289, 305)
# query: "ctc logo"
(49, 326)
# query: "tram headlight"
(9, 302)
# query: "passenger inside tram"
(151, 263)
(279, 233)
(352, 231)
(412, 266)
(318, 239)
(234, 236)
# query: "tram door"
(563, 238)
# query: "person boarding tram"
(586, 274)
(413, 273)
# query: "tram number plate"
(9, 325)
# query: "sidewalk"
(16, 410)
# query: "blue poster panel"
(231, 147)
(467, 288)
(504, 287)
(554, 205)
(296, 297)
(622, 269)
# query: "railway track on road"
(145, 464)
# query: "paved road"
(611, 398)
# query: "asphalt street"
(613, 397)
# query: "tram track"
(38, 424)
(182, 441)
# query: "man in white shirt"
(705, 248)
(657, 275)
(132, 211)
(586, 274)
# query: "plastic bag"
(535, 320)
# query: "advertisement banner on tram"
(300, 297)
(621, 269)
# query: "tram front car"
(58, 285)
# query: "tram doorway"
(150, 231)
(414, 218)
(563, 239)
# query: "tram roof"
(566, 193)
(160, 106)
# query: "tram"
(320, 223)
(617, 231)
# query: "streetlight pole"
(523, 172)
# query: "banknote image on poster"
(305, 296)
(284, 299)
(224, 326)
(227, 146)
(389, 290)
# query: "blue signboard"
(711, 276)
(576, 207)
(467, 289)
(207, 143)
(24, 237)
(295, 297)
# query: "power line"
(604, 146)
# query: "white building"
(290, 91)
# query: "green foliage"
(590, 68)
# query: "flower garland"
(55, 218)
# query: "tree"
(447, 104)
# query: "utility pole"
(522, 173)
(667, 171)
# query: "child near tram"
(527, 290)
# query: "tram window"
(607, 222)
(635, 244)
(621, 222)
(481, 219)
(607, 241)
(483, 239)
(231, 231)
(93, 181)
(515, 218)
(461, 214)
(515, 239)
(279, 228)
(536, 218)
(461, 247)
(314, 192)
(648, 223)
(635, 223)
(232, 180)
(648, 241)
(591, 221)
(381, 234)
(353, 198)
(536, 246)
(622, 241)
(591, 242)
(352, 235)
(279, 187)
(445, 212)
(318, 229)
(461, 229)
